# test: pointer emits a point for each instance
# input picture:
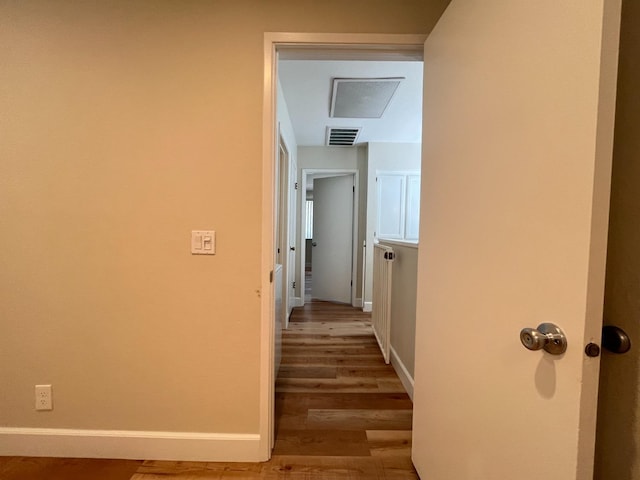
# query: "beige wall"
(618, 442)
(124, 125)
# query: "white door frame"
(307, 172)
(375, 44)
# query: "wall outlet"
(44, 398)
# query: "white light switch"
(203, 242)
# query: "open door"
(518, 128)
(293, 175)
(331, 261)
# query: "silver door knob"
(547, 336)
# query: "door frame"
(283, 203)
(346, 45)
(330, 172)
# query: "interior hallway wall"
(618, 439)
(384, 157)
(124, 126)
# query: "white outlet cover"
(43, 397)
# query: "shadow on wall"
(617, 444)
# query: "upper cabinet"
(398, 195)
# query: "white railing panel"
(381, 311)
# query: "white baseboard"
(297, 302)
(357, 303)
(134, 445)
(367, 306)
(403, 373)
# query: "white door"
(518, 124)
(293, 172)
(331, 255)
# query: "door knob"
(547, 336)
(293, 249)
(615, 339)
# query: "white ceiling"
(306, 85)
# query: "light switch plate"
(203, 242)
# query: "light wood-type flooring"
(341, 414)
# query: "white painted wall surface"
(390, 157)
(284, 122)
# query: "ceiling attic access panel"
(362, 97)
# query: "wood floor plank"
(306, 371)
(385, 401)
(389, 443)
(366, 419)
(301, 402)
(155, 470)
(37, 468)
(390, 384)
(302, 339)
(324, 468)
(398, 467)
(375, 371)
(326, 350)
(322, 442)
(354, 361)
(344, 385)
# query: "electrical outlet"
(44, 399)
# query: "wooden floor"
(341, 413)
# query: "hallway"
(339, 409)
(341, 414)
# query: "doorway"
(396, 47)
(329, 260)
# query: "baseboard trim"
(133, 445)
(297, 302)
(357, 303)
(403, 373)
(367, 306)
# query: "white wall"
(284, 122)
(384, 157)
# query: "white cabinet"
(398, 198)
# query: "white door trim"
(383, 43)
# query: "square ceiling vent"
(362, 97)
(342, 136)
